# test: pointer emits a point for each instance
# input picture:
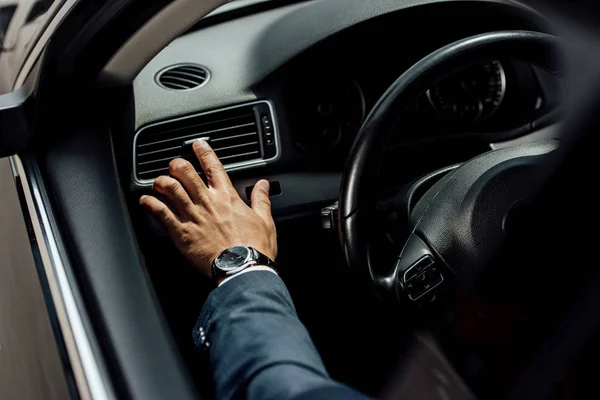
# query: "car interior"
(288, 91)
(275, 103)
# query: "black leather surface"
(464, 219)
(89, 205)
(359, 181)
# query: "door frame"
(77, 44)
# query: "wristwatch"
(236, 259)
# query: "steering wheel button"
(421, 284)
(417, 268)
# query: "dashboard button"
(268, 131)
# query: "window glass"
(21, 22)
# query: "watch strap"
(261, 259)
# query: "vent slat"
(178, 81)
(235, 146)
(187, 75)
(183, 77)
(178, 86)
(159, 151)
(189, 124)
(234, 137)
(239, 155)
(191, 69)
(160, 159)
(199, 134)
(233, 134)
(153, 170)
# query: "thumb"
(261, 204)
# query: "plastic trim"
(260, 162)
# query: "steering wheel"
(459, 224)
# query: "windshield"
(21, 22)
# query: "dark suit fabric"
(257, 347)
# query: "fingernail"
(202, 143)
(264, 185)
(142, 198)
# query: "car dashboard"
(280, 91)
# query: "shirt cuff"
(249, 269)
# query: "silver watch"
(236, 259)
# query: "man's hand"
(203, 221)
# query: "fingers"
(172, 189)
(215, 172)
(261, 204)
(160, 211)
(185, 173)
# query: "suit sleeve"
(257, 346)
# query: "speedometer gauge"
(470, 96)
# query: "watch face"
(233, 257)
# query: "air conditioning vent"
(241, 136)
(183, 77)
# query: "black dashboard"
(318, 67)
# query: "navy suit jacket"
(257, 347)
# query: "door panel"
(30, 365)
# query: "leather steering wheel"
(459, 224)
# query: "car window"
(6, 14)
(21, 22)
